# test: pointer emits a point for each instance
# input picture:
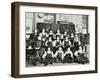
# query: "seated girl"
(66, 44)
(48, 57)
(58, 42)
(68, 56)
(59, 55)
(80, 56)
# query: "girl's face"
(77, 39)
(50, 31)
(50, 39)
(68, 49)
(80, 48)
(65, 32)
(43, 30)
(60, 48)
(57, 38)
(58, 31)
(39, 38)
(66, 38)
(72, 34)
(48, 49)
(75, 35)
(35, 30)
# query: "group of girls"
(50, 48)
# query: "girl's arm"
(53, 54)
(71, 54)
(62, 54)
(56, 54)
(46, 43)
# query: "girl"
(76, 43)
(59, 55)
(68, 56)
(65, 34)
(51, 34)
(58, 42)
(66, 43)
(58, 34)
(71, 38)
(80, 56)
(48, 56)
(43, 35)
(49, 43)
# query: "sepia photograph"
(56, 39)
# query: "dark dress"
(59, 57)
(33, 37)
(51, 35)
(49, 43)
(58, 44)
(65, 35)
(48, 59)
(37, 44)
(66, 45)
(68, 58)
(82, 59)
(71, 40)
(58, 35)
(34, 58)
(76, 45)
(44, 36)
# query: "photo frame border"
(15, 38)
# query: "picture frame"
(22, 13)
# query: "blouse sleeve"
(71, 54)
(44, 55)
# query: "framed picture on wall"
(53, 39)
